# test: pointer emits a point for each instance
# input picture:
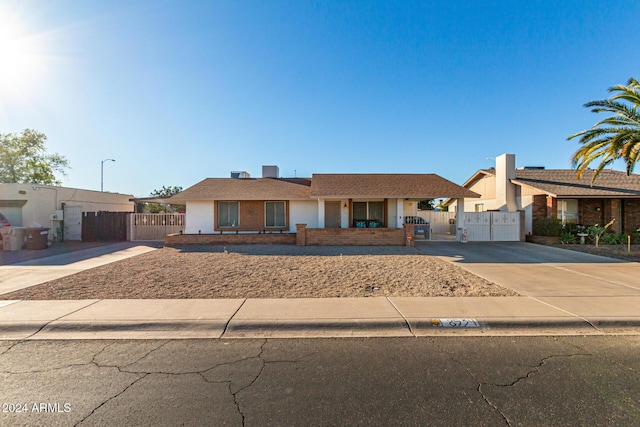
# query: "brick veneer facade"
(352, 236)
(230, 239)
(595, 211)
(252, 217)
(631, 209)
(539, 208)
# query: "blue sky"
(178, 91)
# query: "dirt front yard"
(268, 272)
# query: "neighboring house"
(57, 208)
(271, 204)
(543, 193)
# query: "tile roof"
(415, 186)
(246, 189)
(564, 183)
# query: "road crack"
(533, 370)
(111, 398)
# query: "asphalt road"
(471, 381)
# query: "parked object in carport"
(4, 222)
(37, 238)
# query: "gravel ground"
(274, 271)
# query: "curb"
(325, 328)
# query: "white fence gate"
(492, 226)
(155, 226)
(480, 226)
(439, 221)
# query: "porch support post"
(320, 213)
(400, 213)
(385, 212)
(344, 214)
(459, 219)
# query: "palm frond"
(614, 137)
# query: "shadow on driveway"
(59, 254)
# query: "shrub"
(568, 238)
(573, 228)
(547, 227)
(596, 232)
(611, 239)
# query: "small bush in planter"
(613, 239)
(547, 227)
(568, 238)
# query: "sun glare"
(21, 62)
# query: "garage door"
(13, 214)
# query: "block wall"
(354, 237)
(230, 239)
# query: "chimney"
(505, 190)
(270, 172)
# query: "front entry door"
(332, 215)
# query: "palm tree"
(613, 138)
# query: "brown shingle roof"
(415, 186)
(564, 183)
(246, 189)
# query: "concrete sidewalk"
(563, 294)
(332, 317)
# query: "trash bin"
(12, 238)
(37, 238)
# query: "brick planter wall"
(352, 237)
(542, 240)
(229, 239)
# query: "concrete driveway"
(568, 280)
(40, 270)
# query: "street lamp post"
(102, 173)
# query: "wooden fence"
(104, 226)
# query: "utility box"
(37, 238)
(12, 238)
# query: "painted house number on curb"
(455, 323)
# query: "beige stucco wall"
(486, 187)
(40, 201)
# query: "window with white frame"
(228, 214)
(479, 207)
(275, 214)
(568, 210)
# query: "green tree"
(164, 192)
(615, 137)
(426, 205)
(442, 207)
(24, 159)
